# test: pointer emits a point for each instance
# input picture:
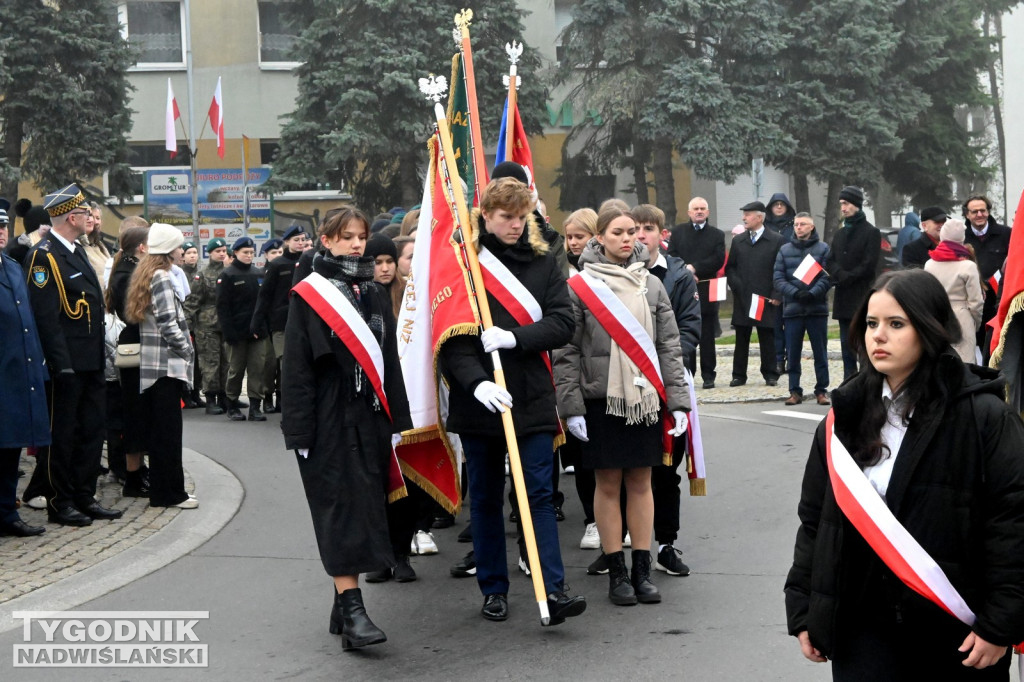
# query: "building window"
(277, 36)
(156, 29)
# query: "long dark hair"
(926, 304)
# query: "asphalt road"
(269, 599)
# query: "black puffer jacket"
(464, 363)
(957, 486)
(782, 224)
(272, 302)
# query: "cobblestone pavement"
(755, 389)
(27, 564)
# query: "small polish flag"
(756, 311)
(994, 281)
(217, 118)
(716, 289)
(807, 270)
(173, 115)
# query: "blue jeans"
(817, 330)
(485, 462)
(849, 357)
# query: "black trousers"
(665, 482)
(161, 410)
(766, 341)
(708, 333)
(66, 471)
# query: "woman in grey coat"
(609, 404)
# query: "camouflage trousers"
(213, 362)
(246, 359)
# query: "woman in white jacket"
(954, 266)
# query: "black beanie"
(34, 217)
(853, 195)
(379, 245)
(510, 169)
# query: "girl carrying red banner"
(929, 584)
(344, 403)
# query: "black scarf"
(353, 277)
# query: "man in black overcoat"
(750, 271)
(851, 265)
(67, 302)
(991, 242)
(702, 246)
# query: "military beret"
(754, 206)
(216, 243)
(61, 201)
(189, 245)
(243, 243)
(271, 244)
(293, 231)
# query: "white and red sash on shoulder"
(868, 513)
(345, 321)
(517, 300)
(626, 331)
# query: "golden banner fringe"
(398, 494)
(559, 440)
(1016, 306)
(666, 458)
(698, 487)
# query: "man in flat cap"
(67, 302)
(238, 289)
(918, 252)
(749, 272)
(272, 305)
(851, 264)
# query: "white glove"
(396, 438)
(303, 453)
(681, 423)
(578, 427)
(493, 396)
(496, 338)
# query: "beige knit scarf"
(630, 394)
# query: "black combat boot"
(349, 620)
(646, 591)
(198, 398)
(272, 405)
(213, 404)
(135, 485)
(620, 591)
(254, 412)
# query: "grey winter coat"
(581, 366)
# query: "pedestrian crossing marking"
(795, 415)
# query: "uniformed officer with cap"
(237, 291)
(67, 301)
(201, 313)
(272, 304)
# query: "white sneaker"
(591, 538)
(570, 469)
(423, 543)
(37, 502)
(189, 503)
(627, 541)
(523, 566)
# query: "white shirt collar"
(71, 245)
(660, 261)
(758, 232)
(979, 233)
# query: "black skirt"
(614, 445)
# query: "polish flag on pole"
(807, 270)
(217, 118)
(172, 115)
(716, 289)
(756, 311)
(994, 280)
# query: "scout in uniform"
(67, 301)
(245, 339)
(201, 313)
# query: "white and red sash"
(626, 331)
(347, 322)
(868, 513)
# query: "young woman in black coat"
(935, 440)
(342, 436)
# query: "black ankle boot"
(213, 404)
(254, 412)
(135, 485)
(646, 591)
(271, 406)
(620, 591)
(349, 619)
(198, 398)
